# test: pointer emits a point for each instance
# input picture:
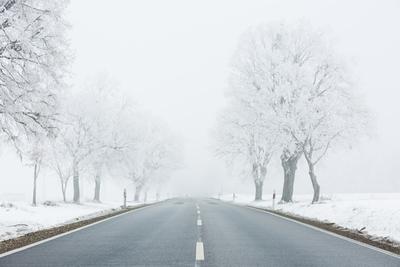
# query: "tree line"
(289, 95)
(95, 130)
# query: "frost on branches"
(288, 89)
(32, 61)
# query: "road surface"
(198, 232)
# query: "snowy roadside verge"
(40, 230)
(369, 218)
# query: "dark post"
(124, 198)
(273, 200)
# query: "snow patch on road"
(378, 213)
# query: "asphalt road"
(198, 232)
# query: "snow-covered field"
(378, 213)
(19, 218)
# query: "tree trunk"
(259, 173)
(138, 189)
(76, 182)
(289, 165)
(64, 191)
(259, 190)
(35, 176)
(97, 183)
(314, 181)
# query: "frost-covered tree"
(33, 56)
(264, 64)
(331, 116)
(34, 152)
(59, 161)
(105, 106)
(76, 139)
(89, 129)
(299, 80)
(33, 59)
(163, 154)
(159, 154)
(241, 141)
(150, 151)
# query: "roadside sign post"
(124, 197)
(273, 200)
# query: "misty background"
(173, 58)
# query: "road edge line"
(2, 255)
(389, 253)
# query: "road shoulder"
(11, 246)
(382, 244)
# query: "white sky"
(173, 58)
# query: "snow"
(19, 218)
(378, 213)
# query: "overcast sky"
(173, 58)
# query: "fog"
(173, 58)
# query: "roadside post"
(273, 200)
(234, 197)
(124, 198)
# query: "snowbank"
(378, 213)
(19, 218)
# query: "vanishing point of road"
(198, 232)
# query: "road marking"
(199, 251)
(67, 233)
(326, 232)
(199, 243)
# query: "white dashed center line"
(199, 251)
(199, 243)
